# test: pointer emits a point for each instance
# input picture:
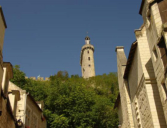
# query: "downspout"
(25, 103)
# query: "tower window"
(89, 65)
(88, 51)
(88, 58)
(83, 70)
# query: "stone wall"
(139, 88)
(87, 61)
(154, 32)
(35, 114)
(6, 120)
(38, 78)
(127, 119)
(2, 34)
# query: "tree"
(18, 76)
(74, 102)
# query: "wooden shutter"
(163, 10)
(163, 51)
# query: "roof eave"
(130, 59)
(141, 7)
(33, 100)
(10, 68)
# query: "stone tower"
(87, 59)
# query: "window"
(88, 58)
(89, 65)
(6, 86)
(155, 55)
(163, 51)
(83, 70)
(164, 90)
(88, 51)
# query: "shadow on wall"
(156, 95)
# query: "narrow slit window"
(83, 70)
(88, 51)
(88, 58)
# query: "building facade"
(2, 34)
(28, 110)
(142, 79)
(155, 19)
(87, 59)
(8, 117)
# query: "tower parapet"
(38, 78)
(87, 59)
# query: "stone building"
(8, 117)
(87, 59)
(3, 26)
(154, 13)
(142, 77)
(28, 110)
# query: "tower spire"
(87, 39)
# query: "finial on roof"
(87, 37)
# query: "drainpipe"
(25, 104)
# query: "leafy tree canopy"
(74, 102)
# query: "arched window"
(88, 58)
(88, 51)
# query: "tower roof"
(87, 38)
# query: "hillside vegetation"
(74, 102)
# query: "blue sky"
(45, 36)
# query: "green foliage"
(74, 102)
(18, 76)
